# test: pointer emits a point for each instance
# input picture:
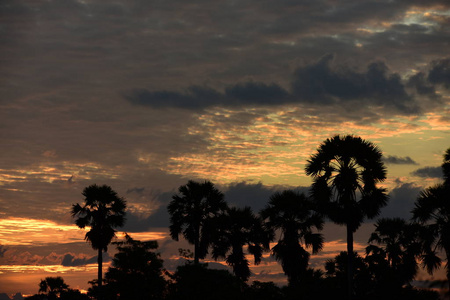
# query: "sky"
(146, 95)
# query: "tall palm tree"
(103, 211)
(346, 170)
(239, 227)
(293, 215)
(400, 246)
(192, 212)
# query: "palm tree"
(432, 210)
(103, 210)
(192, 213)
(400, 246)
(293, 215)
(237, 228)
(346, 170)
(446, 167)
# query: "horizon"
(146, 95)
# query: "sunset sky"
(143, 95)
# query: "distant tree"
(293, 215)
(336, 270)
(103, 210)
(346, 170)
(192, 212)
(136, 271)
(263, 291)
(236, 229)
(394, 264)
(196, 281)
(52, 287)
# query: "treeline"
(346, 171)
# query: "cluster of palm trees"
(346, 171)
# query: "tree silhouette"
(394, 263)
(432, 210)
(446, 167)
(293, 215)
(237, 228)
(196, 281)
(52, 287)
(192, 213)
(337, 269)
(136, 271)
(346, 170)
(103, 210)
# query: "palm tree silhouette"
(346, 170)
(400, 246)
(103, 210)
(446, 167)
(240, 227)
(292, 214)
(432, 210)
(192, 214)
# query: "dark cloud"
(422, 86)
(197, 97)
(255, 195)
(396, 160)
(440, 72)
(3, 249)
(428, 172)
(321, 82)
(401, 201)
(70, 260)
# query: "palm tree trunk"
(197, 245)
(349, 262)
(100, 271)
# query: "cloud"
(440, 72)
(401, 201)
(255, 195)
(396, 160)
(70, 260)
(3, 249)
(428, 172)
(320, 82)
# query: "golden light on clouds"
(23, 231)
(56, 171)
(274, 147)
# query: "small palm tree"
(103, 211)
(293, 215)
(346, 170)
(400, 247)
(192, 212)
(240, 227)
(432, 210)
(446, 167)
